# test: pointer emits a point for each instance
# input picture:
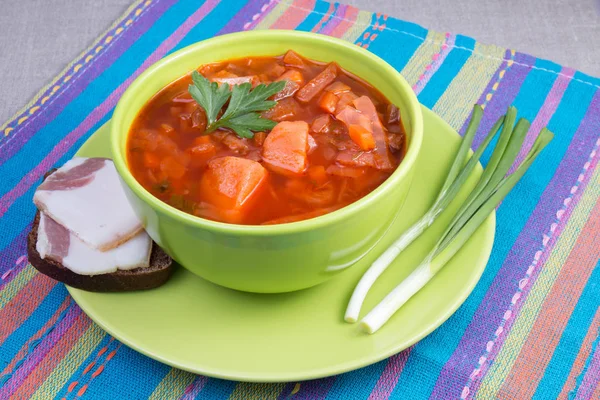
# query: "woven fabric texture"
(528, 330)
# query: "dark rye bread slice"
(159, 271)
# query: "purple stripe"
(576, 154)
(437, 62)
(335, 20)
(389, 378)
(591, 379)
(39, 353)
(491, 310)
(79, 83)
(236, 24)
(505, 94)
(263, 10)
(315, 389)
(99, 112)
(459, 365)
(194, 388)
(10, 257)
(543, 117)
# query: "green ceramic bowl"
(276, 258)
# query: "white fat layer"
(42, 245)
(85, 260)
(98, 213)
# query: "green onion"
(491, 188)
(453, 183)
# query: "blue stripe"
(133, 383)
(434, 351)
(398, 42)
(216, 389)
(571, 340)
(38, 318)
(451, 66)
(313, 18)
(329, 17)
(360, 382)
(211, 24)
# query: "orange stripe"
(25, 348)
(582, 356)
(98, 371)
(51, 360)
(23, 304)
(72, 386)
(294, 16)
(324, 18)
(545, 334)
(82, 390)
(346, 23)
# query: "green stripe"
(173, 385)
(454, 106)
(362, 23)
(422, 57)
(13, 287)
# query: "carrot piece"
(286, 147)
(292, 75)
(259, 138)
(365, 105)
(151, 160)
(362, 136)
(338, 87)
(318, 83)
(317, 174)
(293, 59)
(233, 186)
(328, 101)
(172, 167)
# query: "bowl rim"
(408, 162)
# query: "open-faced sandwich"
(87, 235)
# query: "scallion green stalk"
(482, 200)
(459, 172)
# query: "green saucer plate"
(196, 326)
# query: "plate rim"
(323, 372)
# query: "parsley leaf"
(241, 115)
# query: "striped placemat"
(530, 327)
